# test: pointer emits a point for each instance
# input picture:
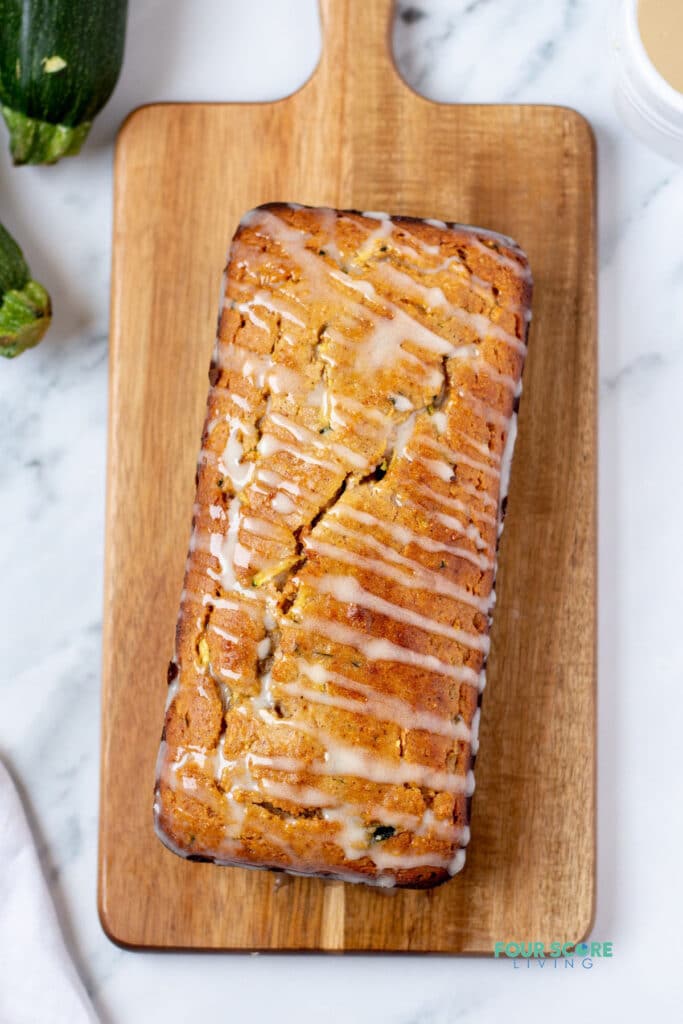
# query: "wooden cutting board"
(356, 136)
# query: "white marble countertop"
(52, 469)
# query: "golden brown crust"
(334, 622)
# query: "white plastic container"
(646, 102)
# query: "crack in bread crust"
(333, 632)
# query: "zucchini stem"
(25, 315)
(39, 142)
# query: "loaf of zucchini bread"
(323, 701)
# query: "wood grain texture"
(356, 136)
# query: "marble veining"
(52, 472)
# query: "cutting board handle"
(356, 44)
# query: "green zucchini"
(59, 63)
(25, 309)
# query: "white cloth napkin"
(38, 981)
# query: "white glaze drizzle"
(446, 501)
(269, 445)
(380, 649)
(305, 436)
(277, 482)
(347, 590)
(406, 536)
(382, 704)
(453, 458)
(342, 759)
(421, 578)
